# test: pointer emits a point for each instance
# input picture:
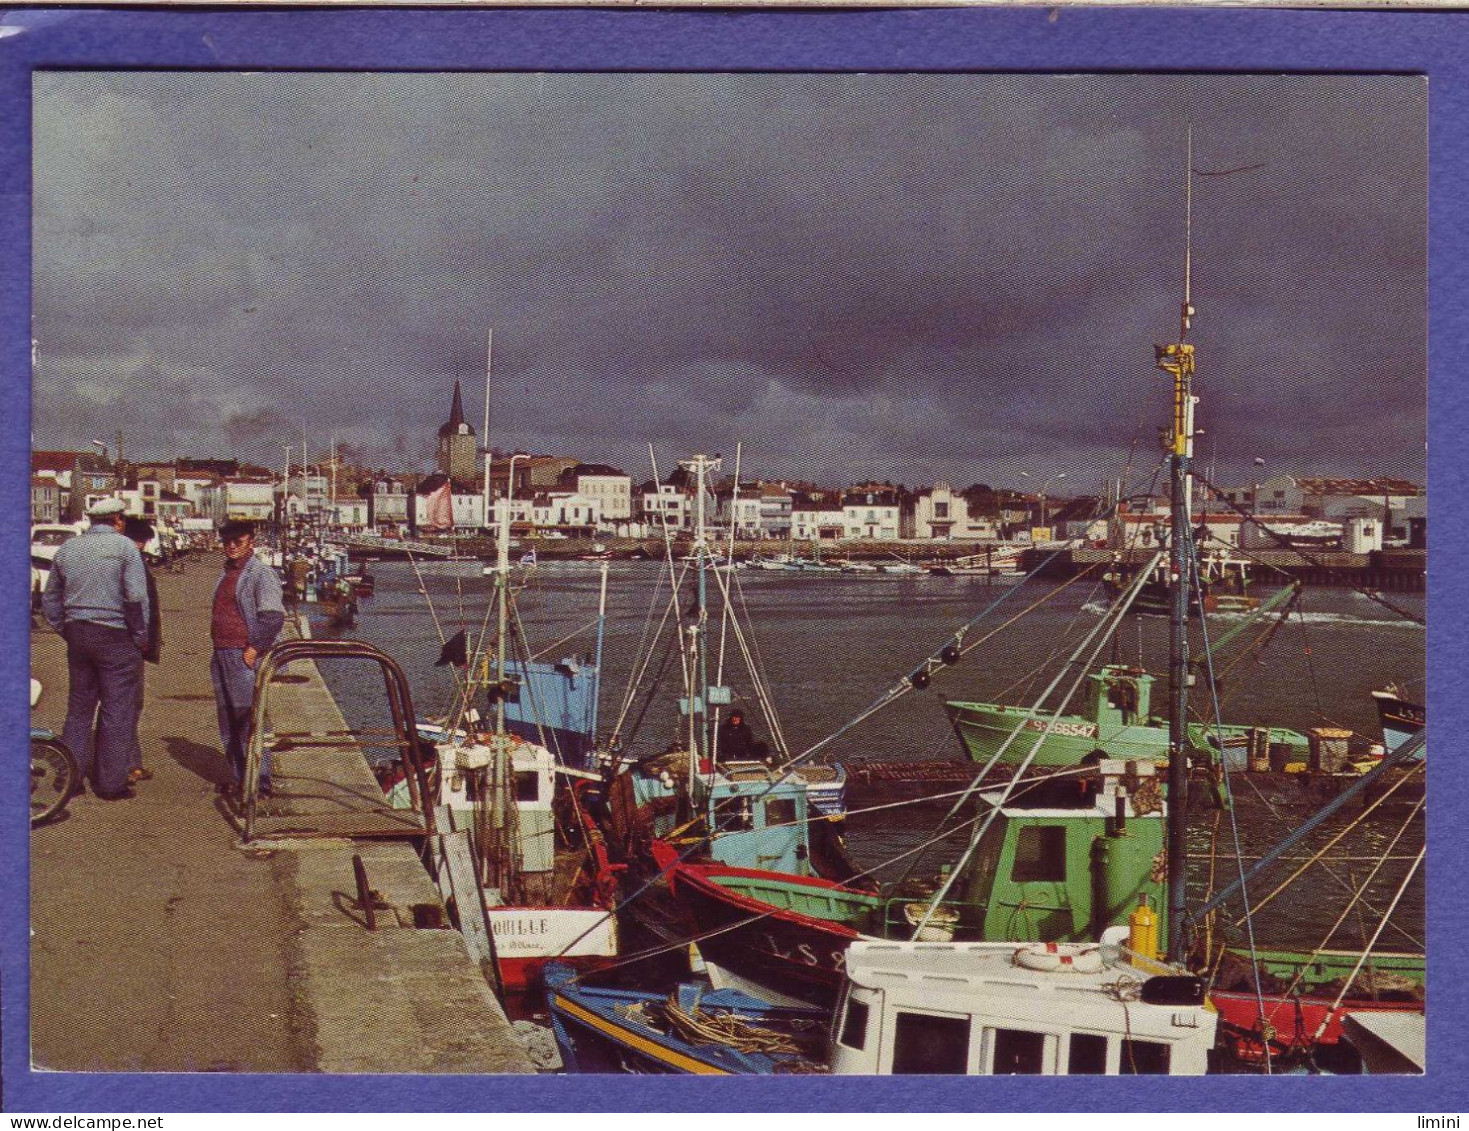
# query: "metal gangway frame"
(371, 820)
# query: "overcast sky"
(903, 277)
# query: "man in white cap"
(97, 598)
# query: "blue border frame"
(632, 40)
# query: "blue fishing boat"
(692, 1030)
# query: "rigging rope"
(1357, 898)
(1192, 581)
(1367, 950)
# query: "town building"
(249, 499)
(45, 499)
(942, 514)
(611, 488)
(569, 512)
(817, 516)
(387, 504)
(872, 512)
(81, 478)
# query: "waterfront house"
(611, 488)
(568, 512)
(817, 516)
(244, 498)
(387, 504)
(872, 512)
(941, 514)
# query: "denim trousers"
(234, 696)
(105, 670)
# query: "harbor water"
(828, 646)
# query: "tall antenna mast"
(484, 437)
(1177, 360)
(1185, 317)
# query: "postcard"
(808, 567)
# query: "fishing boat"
(535, 860)
(1118, 721)
(1401, 717)
(906, 1008)
(992, 562)
(541, 899)
(1058, 861)
(1066, 871)
(1221, 585)
(700, 799)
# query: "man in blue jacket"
(97, 598)
(248, 615)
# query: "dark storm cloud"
(908, 276)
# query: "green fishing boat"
(1118, 722)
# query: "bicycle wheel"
(54, 777)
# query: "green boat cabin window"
(854, 1025)
(732, 815)
(780, 811)
(924, 1044)
(1144, 1058)
(1040, 854)
(527, 785)
(1088, 1055)
(1019, 1052)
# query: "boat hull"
(526, 938)
(768, 942)
(1303, 990)
(985, 728)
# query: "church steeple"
(458, 450)
(457, 425)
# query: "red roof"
(54, 461)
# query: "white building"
(193, 486)
(612, 490)
(349, 512)
(817, 516)
(742, 512)
(249, 500)
(666, 507)
(871, 513)
(942, 514)
(566, 510)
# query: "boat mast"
(484, 437)
(699, 748)
(502, 798)
(1177, 360)
(601, 632)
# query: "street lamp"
(504, 518)
(1044, 487)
